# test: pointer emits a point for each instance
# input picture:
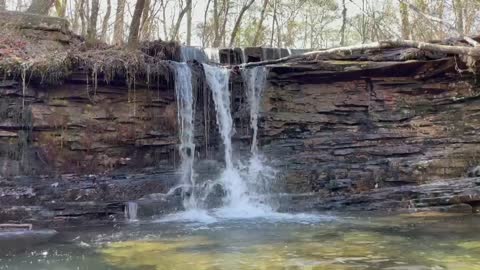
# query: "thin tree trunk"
(226, 5)
(106, 18)
(238, 22)
(205, 23)
(76, 17)
(405, 21)
(274, 18)
(83, 17)
(176, 28)
(344, 23)
(92, 22)
(458, 10)
(189, 24)
(216, 24)
(118, 28)
(40, 6)
(145, 28)
(260, 23)
(135, 24)
(61, 7)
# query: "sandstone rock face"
(74, 128)
(337, 128)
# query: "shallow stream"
(279, 241)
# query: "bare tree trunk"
(405, 21)
(238, 22)
(135, 24)
(189, 25)
(76, 17)
(344, 24)
(458, 10)
(145, 26)
(176, 28)
(205, 24)
(83, 17)
(3, 5)
(226, 8)
(40, 6)
(274, 18)
(260, 23)
(106, 18)
(118, 30)
(216, 24)
(61, 7)
(92, 22)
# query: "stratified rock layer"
(341, 126)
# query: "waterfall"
(191, 53)
(239, 201)
(202, 55)
(213, 54)
(260, 174)
(131, 209)
(186, 125)
(254, 81)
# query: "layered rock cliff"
(332, 127)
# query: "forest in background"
(312, 24)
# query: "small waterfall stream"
(254, 80)
(243, 185)
(239, 201)
(186, 126)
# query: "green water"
(399, 242)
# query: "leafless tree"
(245, 7)
(40, 6)
(135, 24)
(106, 19)
(92, 22)
(118, 28)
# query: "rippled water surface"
(399, 242)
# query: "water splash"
(185, 115)
(254, 81)
(213, 54)
(131, 210)
(239, 201)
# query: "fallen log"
(386, 44)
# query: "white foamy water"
(236, 181)
(226, 214)
(131, 210)
(254, 81)
(186, 126)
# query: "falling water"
(260, 175)
(185, 114)
(239, 201)
(202, 55)
(254, 80)
(131, 210)
(193, 53)
(213, 54)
